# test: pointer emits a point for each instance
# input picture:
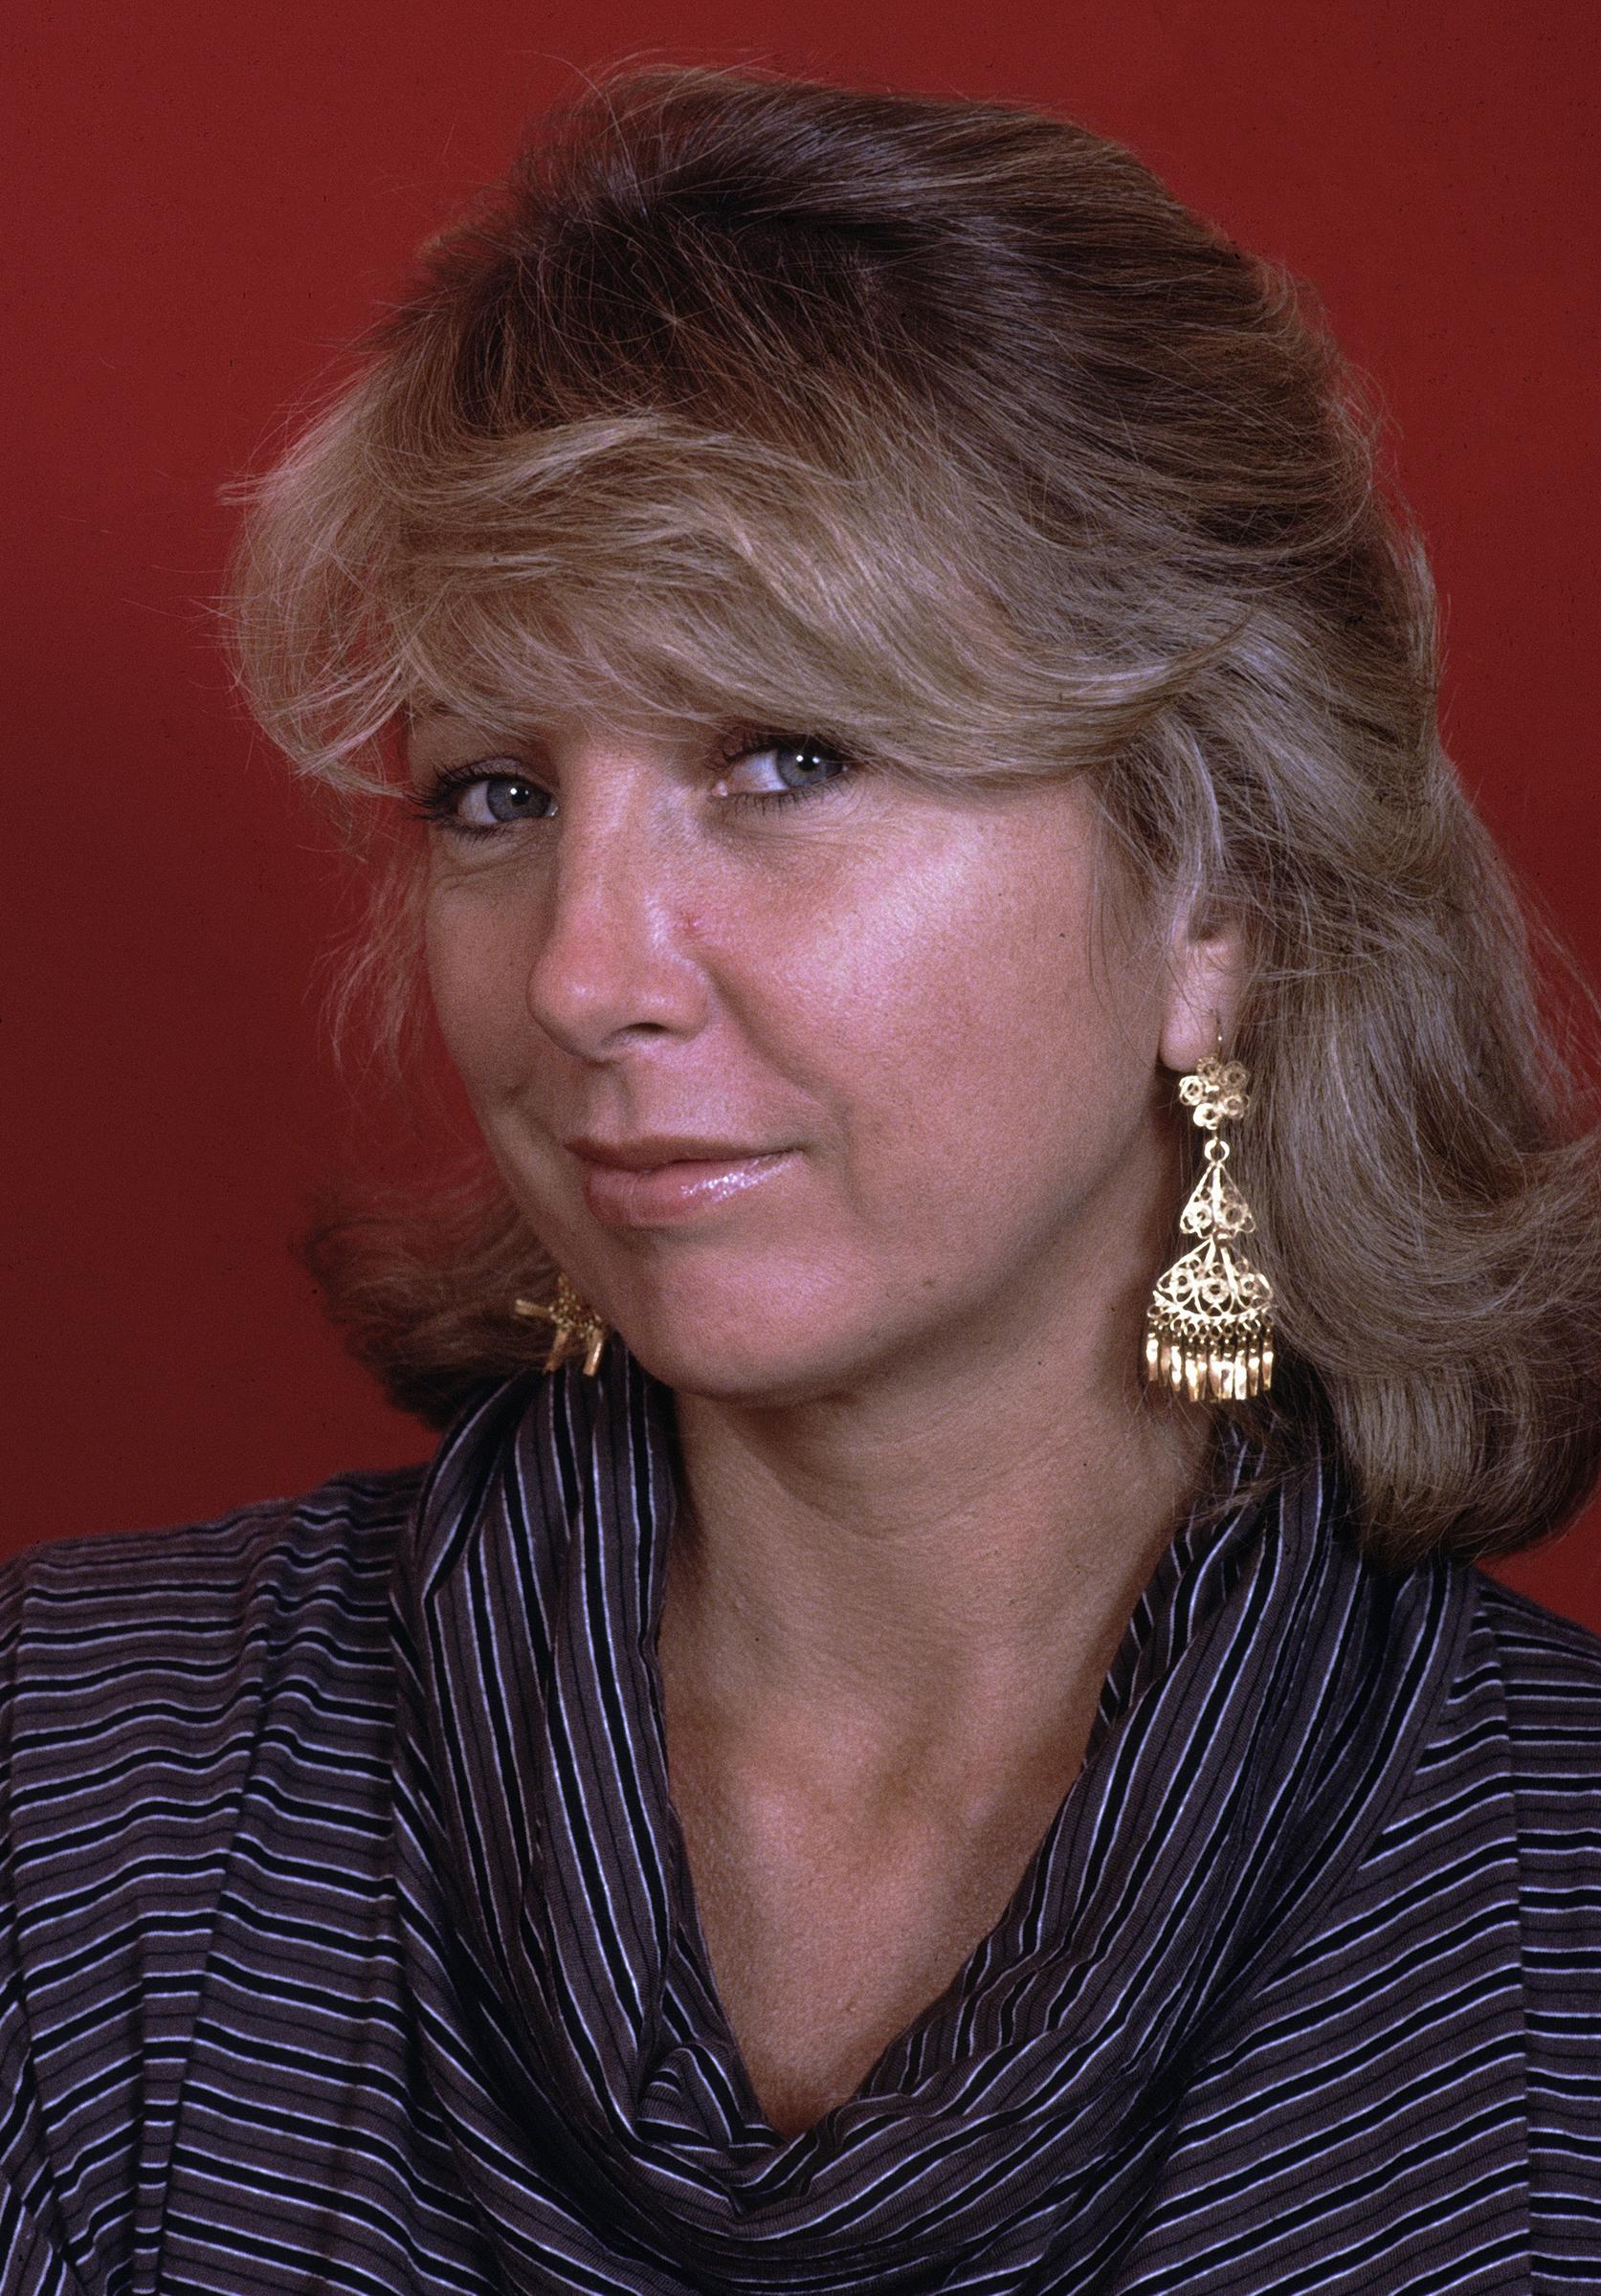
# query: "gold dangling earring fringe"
(577, 1328)
(1208, 1329)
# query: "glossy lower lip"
(668, 1194)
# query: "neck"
(937, 1566)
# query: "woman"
(929, 1725)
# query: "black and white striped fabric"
(348, 1942)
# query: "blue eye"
(474, 799)
(503, 797)
(781, 765)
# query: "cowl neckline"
(1256, 1729)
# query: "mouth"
(662, 1183)
(649, 1151)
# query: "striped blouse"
(347, 1942)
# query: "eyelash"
(435, 805)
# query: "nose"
(612, 967)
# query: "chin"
(743, 1369)
(755, 1347)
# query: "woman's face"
(886, 1056)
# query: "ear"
(1206, 976)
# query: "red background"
(210, 201)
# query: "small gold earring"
(1208, 1329)
(578, 1328)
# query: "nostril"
(593, 993)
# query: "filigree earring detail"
(1208, 1329)
(578, 1331)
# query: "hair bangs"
(644, 571)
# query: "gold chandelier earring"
(1208, 1329)
(577, 1330)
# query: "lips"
(648, 1152)
(658, 1182)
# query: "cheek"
(991, 1060)
(469, 954)
(976, 1035)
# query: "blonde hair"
(942, 431)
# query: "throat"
(867, 1737)
(832, 1924)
